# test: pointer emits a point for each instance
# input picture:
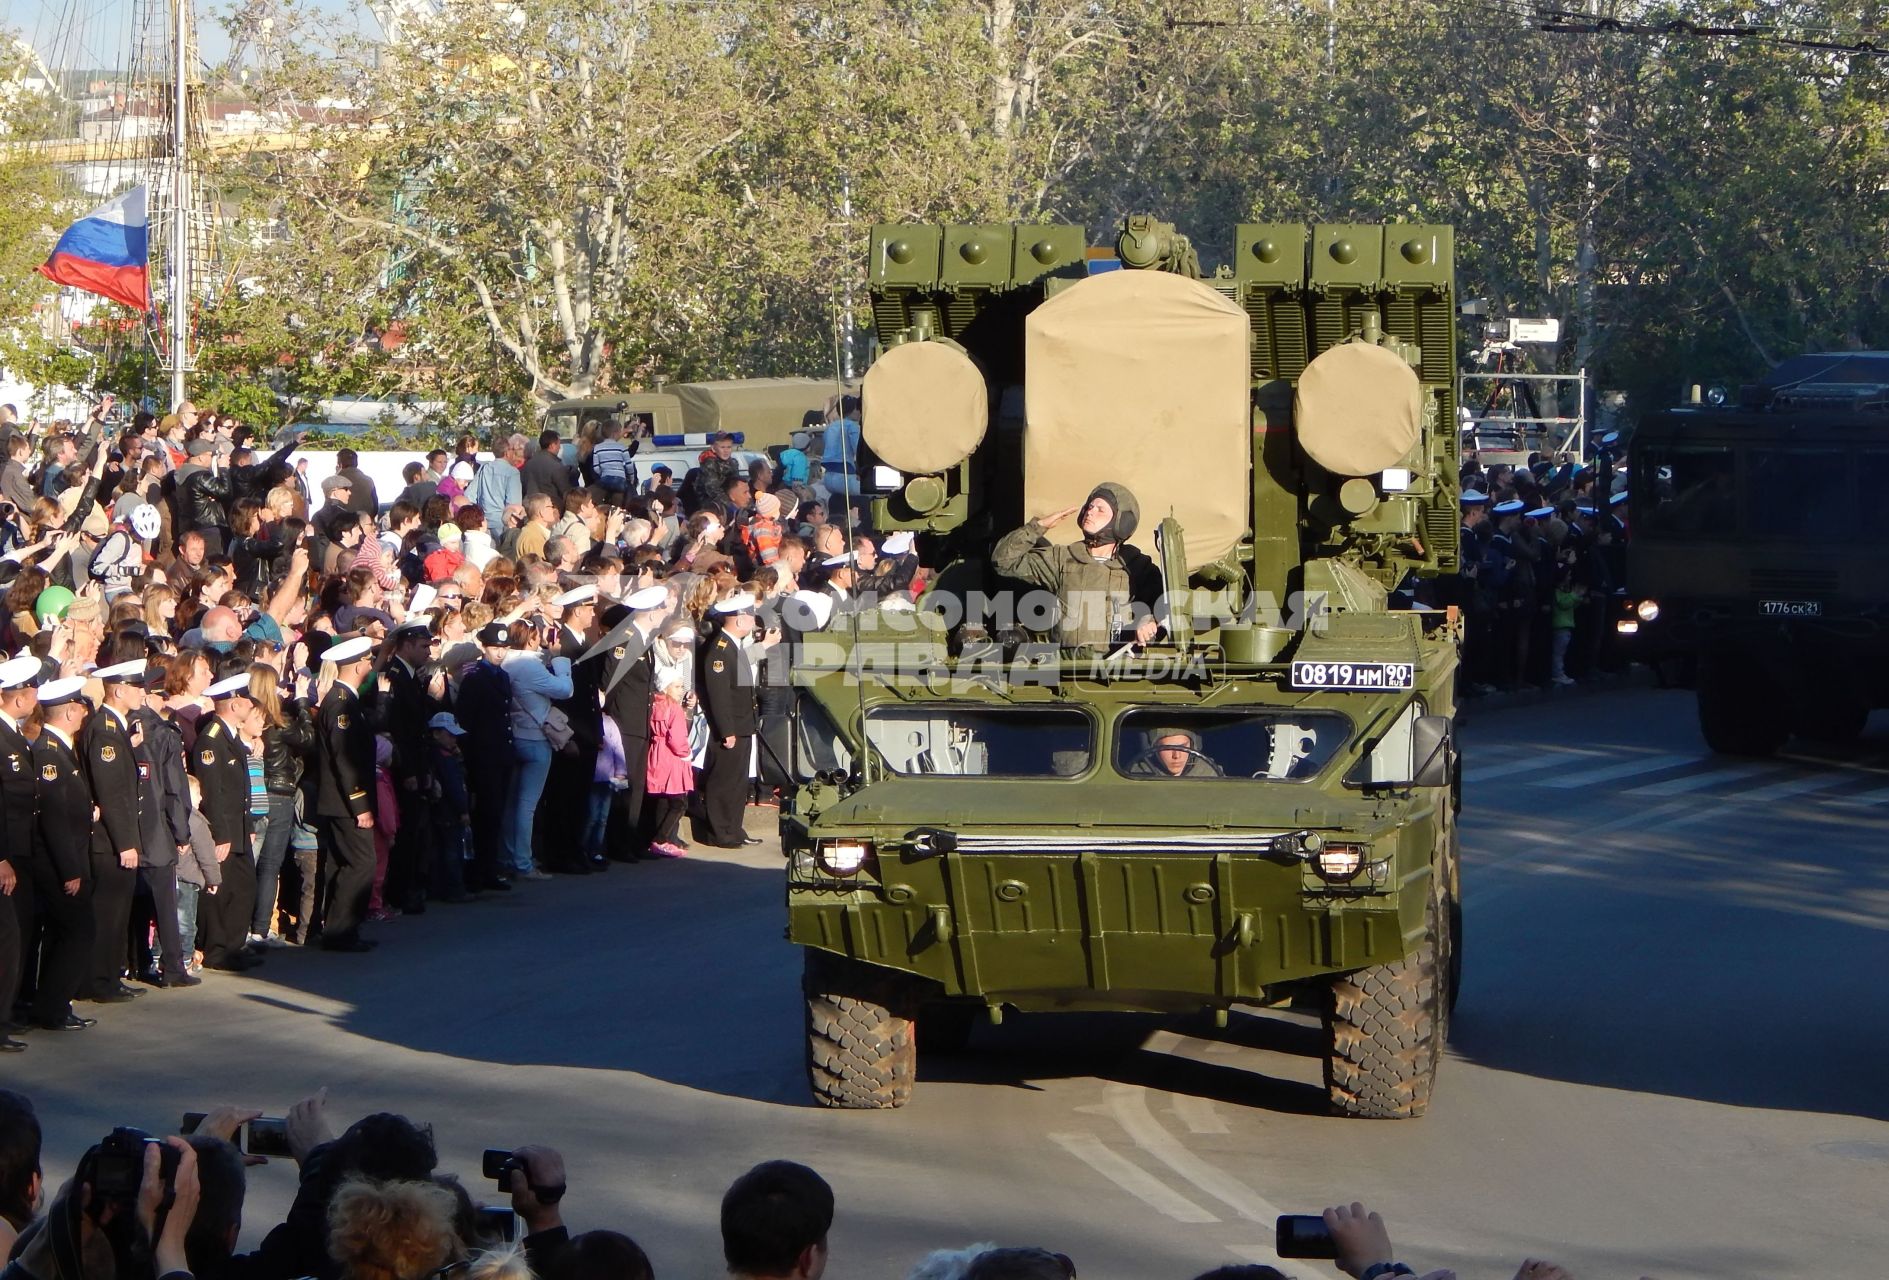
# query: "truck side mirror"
(1432, 752)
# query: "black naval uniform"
(111, 767)
(564, 809)
(64, 856)
(627, 703)
(406, 711)
(344, 746)
(221, 767)
(19, 806)
(725, 680)
(164, 823)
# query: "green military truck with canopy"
(766, 411)
(1751, 550)
(1256, 807)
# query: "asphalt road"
(1669, 1058)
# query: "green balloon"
(53, 603)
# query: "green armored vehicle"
(1752, 550)
(1005, 801)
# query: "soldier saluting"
(19, 811)
(64, 887)
(344, 746)
(107, 745)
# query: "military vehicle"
(765, 411)
(1752, 550)
(1256, 808)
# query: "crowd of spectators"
(242, 714)
(1543, 558)
(372, 1203)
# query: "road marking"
(1700, 781)
(1131, 1177)
(1607, 773)
(1198, 1114)
(1129, 1105)
(1543, 759)
(1792, 787)
(1478, 892)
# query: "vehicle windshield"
(1689, 490)
(1275, 745)
(1014, 742)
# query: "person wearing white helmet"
(122, 554)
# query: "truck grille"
(1793, 583)
(1216, 842)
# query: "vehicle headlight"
(887, 479)
(842, 858)
(1627, 627)
(1338, 862)
(1648, 610)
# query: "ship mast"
(180, 202)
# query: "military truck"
(1258, 806)
(1752, 550)
(766, 411)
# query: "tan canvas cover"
(925, 407)
(766, 410)
(1141, 377)
(1359, 409)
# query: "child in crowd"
(612, 775)
(386, 824)
(197, 874)
(1567, 598)
(452, 810)
(667, 776)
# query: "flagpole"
(180, 206)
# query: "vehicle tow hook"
(1244, 931)
(941, 923)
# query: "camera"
(1304, 1235)
(118, 1166)
(263, 1136)
(499, 1166)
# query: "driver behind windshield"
(1174, 753)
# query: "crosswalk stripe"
(1878, 796)
(1794, 786)
(1626, 769)
(1700, 781)
(1548, 758)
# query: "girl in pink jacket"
(667, 777)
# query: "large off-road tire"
(1740, 714)
(1384, 1029)
(945, 1026)
(1452, 878)
(862, 1053)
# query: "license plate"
(1354, 675)
(1791, 608)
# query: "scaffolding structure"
(1489, 430)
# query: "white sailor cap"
(647, 598)
(809, 610)
(1585, 510)
(232, 685)
(843, 560)
(1617, 499)
(897, 544)
(64, 689)
(897, 604)
(1509, 508)
(740, 602)
(343, 651)
(130, 672)
(586, 594)
(1473, 497)
(1609, 440)
(1540, 513)
(23, 670)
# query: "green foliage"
(560, 197)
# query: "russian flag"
(107, 252)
